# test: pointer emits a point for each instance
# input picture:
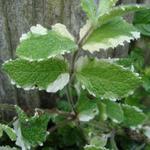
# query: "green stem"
(72, 69)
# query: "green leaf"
(133, 116)
(89, 6)
(119, 11)
(32, 131)
(110, 35)
(142, 21)
(106, 5)
(9, 131)
(114, 111)
(38, 47)
(50, 74)
(106, 80)
(87, 109)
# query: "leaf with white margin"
(106, 5)
(106, 80)
(114, 111)
(9, 131)
(110, 35)
(62, 30)
(85, 29)
(31, 131)
(89, 6)
(119, 11)
(50, 75)
(133, 116)
(87, 109)
(41, 44)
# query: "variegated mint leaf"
(62, 30)
(87, 109)
(106, 5)
(119, 11)
(110, 35)
(133, 116)
(106, 80)
(8, 148)
(89, 6)
(39, 43)
(31, 131)
(50, 75)
(9, 131)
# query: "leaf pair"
(36, 66)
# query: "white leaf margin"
(111, 42)
(58, 84)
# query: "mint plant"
(98, 83)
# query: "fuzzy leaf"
(49, 74)
(119, 11)
(39, 47)
(9, 131)
(111, 35)
(32, 130)
(133, 116)
(104, 79)
(142, 21)
(87, 109)
(114, 111)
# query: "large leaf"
(119, 11)
(38, 47)
(114, 111)
(110, 35)
(133, 116)
(87, 109)
(31, 131)
(49, 74)
(9, 131)
(104, 79)
(142, 21)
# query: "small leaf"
(9, 131)
(106, 80)
(89, 6)
(114, 111)
(87, 109)
(32, 130)
(106, 5)
(133, 116)
(50, 75)
(39, 47)
(142, 21)
(119, 11)
(110, 35)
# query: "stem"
(72, 68)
